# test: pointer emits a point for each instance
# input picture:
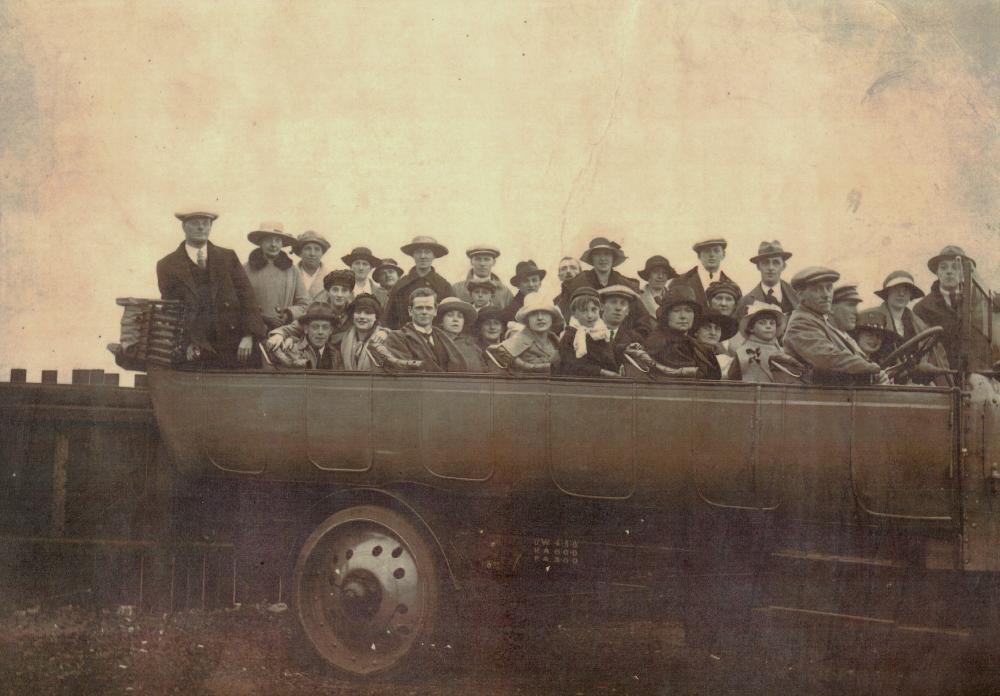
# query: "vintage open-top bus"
(858, 507)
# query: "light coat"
(833, 356)
(277, 285)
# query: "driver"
(832, 355)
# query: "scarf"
(353, 351)
(257, 260)
(598, 332)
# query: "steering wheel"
(913, 350)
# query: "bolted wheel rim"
(365, 590)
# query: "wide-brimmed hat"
(386, 265)
(310, 237)
(536, 303)
(318, 310)
(726, 323)
(758, 308)
(271, 229)
(717, 287)
(769, 249)
(676, 294)
(525, 269)
(618, 291)
(877, 321)
(343, 277)
(189, 213)
(654, 262)
(897, 279)
(363, 301)
(603, 244)
(361, 254)
(453, 303)
(846, 292)
(425, 241)
(482, 249)
(814, 274)
(949, 252)
(709, 241)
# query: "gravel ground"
(256, 650)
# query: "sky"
(862, 135)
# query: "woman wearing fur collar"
(276, 282)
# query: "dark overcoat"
(219, 317)
(675, 349)
(397, 310)
(600, 356)
(935, 311)
(638, 318)
(693, 281)
(409, 344)
(789, 300)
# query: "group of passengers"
(371, 315)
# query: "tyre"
(366, 590)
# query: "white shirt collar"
(306, 275)
(192, 252)
(776, 289)
(425, 331)
(363, 287)
(705, 280)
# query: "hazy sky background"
(863, 135)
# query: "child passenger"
(760, 348)
(585, 347)
(534, 349)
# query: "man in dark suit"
(771, 261)
(222, 314)
(710, 253)
(424, 251)
(419, 344)
(617, 302)
(942, 305)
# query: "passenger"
(457, 317)
(713, 330)
(874, 335)
(771, 260)
(844, 309)
(222, 318)
(361, 261)
(481, 293)
(585, 347)
(617, 302)
(760, 351)
(337, 297)
(602, 255)
(277, 285)
(313, 350)
(831, 356)
(569, 268)
(482, 258)
(363, 335)
(424, 251)
(310, 247)
(675, 353)
(535, 348)
(527, 279)
(658, 273)
(722, 297)
(420, 345)
(942, 306)
(710, 253)
(489, 326)
(387, 274)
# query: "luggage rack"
(152, 333)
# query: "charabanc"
(858, 507)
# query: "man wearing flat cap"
(424, 250)
(844, 306)
(711, 252)
(942, 305)
(770, 260)
(222, 315)
(833, 357)
(482, 258)
(603, 255)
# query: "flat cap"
(187, 214)
(482, 249)
(814, 274)
(618, 291)
(846, 292)
(710, 241)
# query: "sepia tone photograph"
(500, 348)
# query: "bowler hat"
(361, 254)
(342, 277)
(654, 262)
(537, 303)
(769, 249)
(757, 309)
(482, 249)
(603, 244)
(618, 291)
(525, 269)
(897, 279)
(318, 310)
(187, 214)
(387, 264)
(271, 229)
(726, 323)
(453, 303)
(709, 241)
(308, 237)
(846, 292)
(949, 252)
(814, 274)
(720, 286)
(364, 301)
(875, 320)
(677, 294)
(425, 241)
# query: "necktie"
(201, 258)
(771, 298)
(711, 275)
(953, 299)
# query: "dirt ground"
(256, 651)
